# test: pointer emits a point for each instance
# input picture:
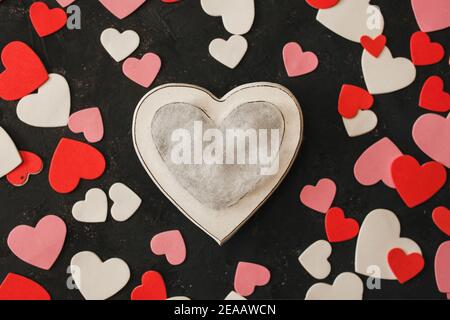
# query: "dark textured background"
(283, 228)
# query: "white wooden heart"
(220, 223)
(10, 157)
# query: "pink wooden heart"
(143, 71)
(39, 246)
(89, 122)
(248, 276)
(297, 62)
(432, 15)
(319, 197)
(442, 267)
(431, 132)
(374, 164)
(65, 3)
(171, 244)
(122, 8)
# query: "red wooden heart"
(47, 21)
(16, 287)
(31, 164)
(352, 99)
(322, 4)
(152, 287)
(73, 161)
(415, 183)
(423, 51)
(338, 227)
(24, 71)
(374, 46)
(433, 97)
(441, 218)
(405, 266)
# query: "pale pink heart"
(431, 132)
(319, 197)
(65, 3)
(122, 8)
(248, 276)
(39, 246)
(171, 244)
(297, 62)
(432, 15)
(442, 267)
(89, 122)
(143, 71)
(374, 165)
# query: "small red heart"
(415, 183)
(423, 51)
(441, 218)
(405, 266)
(47, 21)
(31, 164)
(152, 287)
(24, 71)
(16, 287)
(322, 4)
(338, 227)
(352, 99)
(433, 97)
(72, 161)
(374, 46)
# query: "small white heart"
(179, 298)
(230, 52)
(234, 296)
(364, 122)
(315, 259)
(49, 107)
(10, 157)
(126, 202)
(119, 45)
(94, 209)
(346, 286)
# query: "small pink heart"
(89, 122)
(248, 276)
(143, 71)
(319, 197)
(171, 244)
(39, 246)
(442, 267)
(297, 62)
(65, 3)
(374, 165)
(432, 15)
(120, 8)
(431, 132)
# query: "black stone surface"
(283, 228)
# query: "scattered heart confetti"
(24, 71)
(352, 99)
(442, 268)
(322, 4)
(319, 197)
(126, 202)
(97, 279)
(405, 266)
(248, 276)
(122, 9)
(374, 46)
(73, 161)
(47, 21)
(364, 122)
(10, 158)
(39, 246)
(17, 287)
(152, 287)
(229, 52)
(119, 45)
(297, 62)
(433, 97)
(374, 165)
(94, 209)
(441, 218)
(432, 15)
(315, 259)
(338, 227)
(89, 122)
(31, 165)
(143, 71)
(415, 183)
(346, 286)
(171, 244)
(423, 51)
